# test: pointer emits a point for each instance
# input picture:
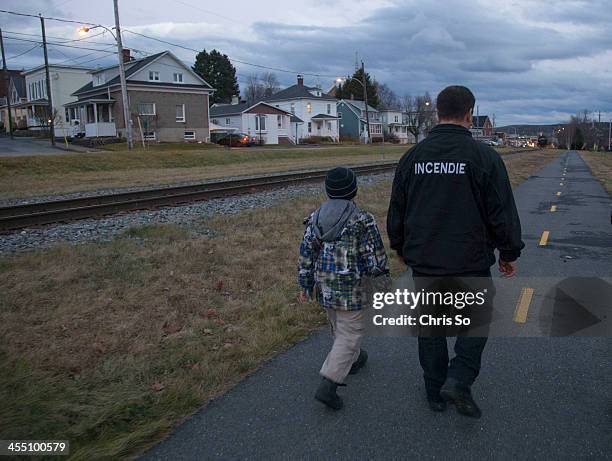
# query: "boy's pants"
(347, 330)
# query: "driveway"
(20, 147)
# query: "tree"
(219, 72)
(387, 97)
(420, 112)
(352, 89)
(260, 87)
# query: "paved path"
(21, 147)
(541, 397)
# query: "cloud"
(531, 60)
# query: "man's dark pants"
(433, 351)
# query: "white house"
(64, 81)
(314, 111)
(263, 121)
(394, 123)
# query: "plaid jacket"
(337, 268)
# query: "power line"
(64, 39)
(25, 52)
(260, 66)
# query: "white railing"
(93, 130)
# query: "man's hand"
(303, 297)
(507, 268)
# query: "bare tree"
(259, 87)
(387, 98)
(270, 83)
(420, 114)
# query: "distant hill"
(529, 130)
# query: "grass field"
(111, 344)
(31, 176)
(600, 164)
(166, 164)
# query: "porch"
(325, 126)
(91, 118)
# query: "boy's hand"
(507, 268)
(303, 297)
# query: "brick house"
(481, 126)
(168, 102)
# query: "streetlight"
(124, 96)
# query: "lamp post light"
(124, 95)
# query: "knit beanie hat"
(341, 183)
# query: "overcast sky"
(527, 61)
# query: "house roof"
(219, 110)
(478, 121)
(360, 105)
(324, 117)
(135, 66)
(299, 92)
(296, 119)
(20, 86)
(54, 66)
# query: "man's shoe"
(326, 393)
(360, 362)
(436, 403)
(459, 394)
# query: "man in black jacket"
(451, 207)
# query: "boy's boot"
(360, 362)
(326, 393)
(455, 392)
(435, 401)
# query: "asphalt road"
(18, 147)
(542, 398)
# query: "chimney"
(235, 100)
(300, 80)
(127, 57)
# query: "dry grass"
(522, 166)
(111, 344)
(43, 175)
(600, 164)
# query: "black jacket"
(452, 205)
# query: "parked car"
(238, 140)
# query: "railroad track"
(36, 214)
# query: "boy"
(341, 245)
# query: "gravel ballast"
(105, 229)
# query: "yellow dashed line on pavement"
(522, 305)
(553, 208)
(558, 194)
(544, 238)
(560, 183)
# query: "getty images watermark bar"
(34, 447)
(480, 306)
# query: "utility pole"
(124, 95)
(365, 100)
(610, 136)
(8, 88)
(47, 76)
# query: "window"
(260, 123)
(215, 121)
(67, 115)
(339, 114)
(279, 121)
(328, 109)
(149, 135)
(189, 135)
(146, 108)
(228, 121)
(396, 118)
(154, 76)
(292, 108)
(309, 108)
(99, 79)
(309, 127)
(180, 112)
(178, 77)
(328, 125)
